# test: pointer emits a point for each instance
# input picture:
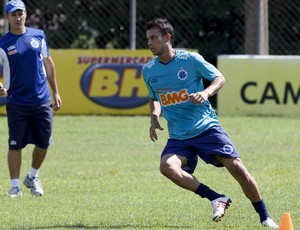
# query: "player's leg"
(38, 157)
(249, 187)
(41, 129)
(171, 167)
(244, 178)
(32, 181)
(14, 164)
(18, 133)
(178, 169)
(41, 134)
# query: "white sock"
(15, 183)
(33, 173)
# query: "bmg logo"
(115, 85)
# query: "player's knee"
(239, 171)
(162, 168)
(166, 169)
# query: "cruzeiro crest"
(34, 43)
(182, 74)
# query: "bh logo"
(115, 86)
(2, 98)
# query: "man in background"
(27, 68)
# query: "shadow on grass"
(108, 227)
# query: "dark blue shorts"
(207, 145)
(29, 125)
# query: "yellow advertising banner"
(100, 81)
(259, 85)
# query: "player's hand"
(57, 102)
(198, 97)
(3, 91)
(154, 125)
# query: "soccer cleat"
(219, 207)
(14, 192)
(35, 186)
(269, 223)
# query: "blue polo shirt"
(24, 73)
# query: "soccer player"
(174, 79)
(27, 69)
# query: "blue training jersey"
(24, 73)
(171, 85)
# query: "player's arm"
(212, 89)
(155, 111)
(215, 85)
(51, 75)
(3, 90)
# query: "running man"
(174, 79)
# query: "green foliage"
(102, 173)
(84, 42)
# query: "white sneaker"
(35, 186)
(14, 192)
(269, 223)
(219, 207)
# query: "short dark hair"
(164, 26)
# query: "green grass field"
(102, 173)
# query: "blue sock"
(261, 208)
(205, 192)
